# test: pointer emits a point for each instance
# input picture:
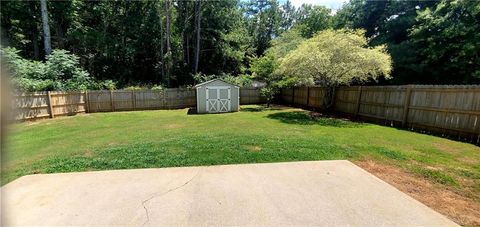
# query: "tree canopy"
(431, 42)
(168, 42)
(448, 36)
(333, 58)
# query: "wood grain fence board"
(316, 96)
(450, 110)
(251, 96)
(311, 97)
(286, 96)
(37, 100)
(64, 103)
(50, 105)
(99, 101)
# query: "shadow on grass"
(259, 108)
(308, 118)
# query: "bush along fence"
(448, 110)
(35, 105)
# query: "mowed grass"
(164, 138)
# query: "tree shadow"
(312, 118)
(260, 108)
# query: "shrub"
(263, 69)
(157, 87)
(133, 88)
(242, 80)
(61, 71)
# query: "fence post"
(406, 106)
(359, 99)
(164, 95)
(87, 103)
(308, 96)
(134, 100)
(50, 105)
(111, 101)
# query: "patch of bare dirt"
(468, 160)
(434, 168)
(463, 210)
(44, 121)
(280, 107)
(316, 115)
(446, 148)
(173, 126)
(87, 153)
(252, 148)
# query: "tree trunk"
(198, 14)
(46, 28)
(60, 37)
(186, 52)
(162, 59)
(167, 24)
(167, 41)
(329, 98)
(36, 50)
(34, 34)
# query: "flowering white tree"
(332, 58)
(335, 57)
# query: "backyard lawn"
(423, 166)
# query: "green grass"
(146, 139)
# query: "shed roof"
(207, 82)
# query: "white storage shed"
(217, 96)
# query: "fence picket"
(50, 105)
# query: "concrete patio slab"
(325, 193)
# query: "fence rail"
(452, 110)
(37, 105)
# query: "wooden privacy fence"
(47, 104)
(51, 104)
(311, 97)
(251, 96)
(443, 109)
(122, 100)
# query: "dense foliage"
(333, 58)
(242, 80)
(431, 42)
(448, 36)
(264, 69)
(61, 71)
(168, 42)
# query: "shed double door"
(218, 99)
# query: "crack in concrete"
(158, 194)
